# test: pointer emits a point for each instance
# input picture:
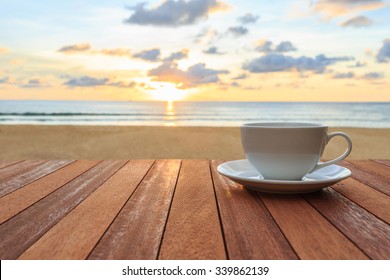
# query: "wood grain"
(372, 200)
(21, 231)
(137, 231)
(310, 234)
(249, 230)
(174, 210)
(373, 180)
(13, 183)
(383, 161)
(193, 229)
(373, 167)
(15, 202)
(368, 232)
(76, 234)
(6, 163)
(18, 168)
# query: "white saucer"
(242, 172)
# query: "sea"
(179, 113)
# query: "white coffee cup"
(288, 151)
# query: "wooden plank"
(373, 167)
(26, 228)
(383, 161)
(76, 234)
(369, 233)
(18, 168)
(15, 202)
(7, 163)
(373, 180)
(137, 231)
(310, 234)
(249, 230)
(372, 200)
(13, 183)
(193, 229)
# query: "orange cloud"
(3, 51)
(329, 9)
(75, 48)
(87, 49)
(206, 36)
(114, 52)
(17, 61)
(358, 21)
(194, 76)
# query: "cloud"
(329, 9)
(194, 76)
(17, 61)
(285, 46)
(212, 50)
(273, 62)
(248, 18)
(264, 46)
(238, 31)
(152, 55)
(123, 84)
(347, 75)
(75, 48)
(177, 55)
(3, 51)
(87, 49)
(86, 81)
(358, 64)
(33, 83)
(384, 52)
(267, 46)
(173, 13)
(241, 76)
(252, 88)
(4, 80)
(114, 52)
(149, 55)
(30, 83)
(206, 35)
(358, 21)
(373, 76)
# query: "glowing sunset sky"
(227, 50)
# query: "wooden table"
(183, 209)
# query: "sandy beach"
(145, 142)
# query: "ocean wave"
(196, 113)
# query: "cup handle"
(343, 156)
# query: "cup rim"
(279, 125)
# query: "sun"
(164, 91)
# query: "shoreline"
(158, 142)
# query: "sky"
(195, 50)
